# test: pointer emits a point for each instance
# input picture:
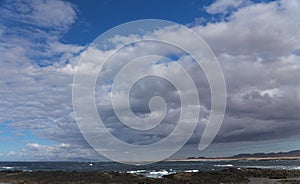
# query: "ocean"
(155, 170)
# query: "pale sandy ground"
(274, 181)
(263, 181)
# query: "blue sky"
(256, 42)
(97, 17)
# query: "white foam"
(192, 171)
(224, 165)
(136, 172)
(163, 172)
(7, 168)
(269, 167)
(159, 174)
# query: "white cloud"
(53, 14)
(259, 30)
(39, 152)
(37, 69)
(225, 6)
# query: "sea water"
(155, 170)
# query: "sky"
(41, 42)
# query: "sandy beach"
(252, 176)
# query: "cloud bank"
(257, 44)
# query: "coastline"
(235, 159)
(231, 175)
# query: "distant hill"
(196, 158)
(294, 153)
(262, 155)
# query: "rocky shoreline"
(225, 176)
